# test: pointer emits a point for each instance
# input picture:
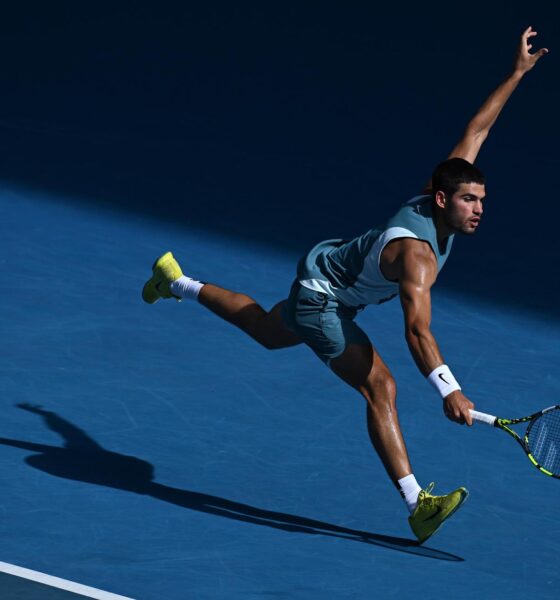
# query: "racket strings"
(543, 439)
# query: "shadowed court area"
(82, 459)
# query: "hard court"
(155, 452)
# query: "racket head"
(543, 441)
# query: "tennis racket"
(541, 442)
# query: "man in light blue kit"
(338, 278)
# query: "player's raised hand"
(524, 60)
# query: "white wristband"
(444, 382)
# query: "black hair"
(451, 173)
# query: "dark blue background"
(287, 122)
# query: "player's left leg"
(266, 327)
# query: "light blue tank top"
(350, 270)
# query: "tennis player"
(338, 278)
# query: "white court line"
(61, 584)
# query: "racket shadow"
(82, 459)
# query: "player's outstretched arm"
(479, 126)
(417, 273)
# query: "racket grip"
(482, 417)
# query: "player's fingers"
(450, 414)
(540, 53)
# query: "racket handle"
(482, 417)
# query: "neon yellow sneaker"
(432, 511)
(165, 270)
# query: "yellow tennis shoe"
(165, 270)
(432, 511)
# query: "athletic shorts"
(322, 322)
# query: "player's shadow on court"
(83, 459)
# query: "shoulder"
(411, 249)
(417, 261)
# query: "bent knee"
(382, 388)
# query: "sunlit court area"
(156, 452)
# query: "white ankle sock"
(185, 287)
(409, 489)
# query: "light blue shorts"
(322, 322)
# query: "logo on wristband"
(441, 377)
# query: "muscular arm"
(418, 271)
(416, 267)
(479, 126)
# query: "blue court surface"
(155, 452)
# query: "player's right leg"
(361, 367)
(328, 328)
(265, 327)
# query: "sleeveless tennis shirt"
(350, 270)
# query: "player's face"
(462, 213)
